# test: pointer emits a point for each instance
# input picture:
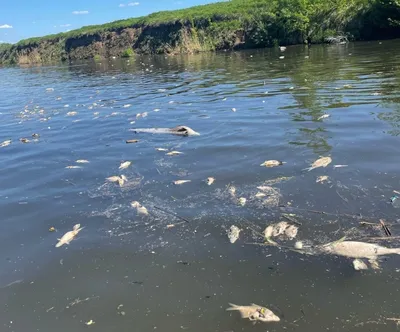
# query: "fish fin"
(257, 305)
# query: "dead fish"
(322, 179)
(254, 312)
(282, 48)
(139, 208)
(233, 109)
(144, 114)
(35, 135)
(73, 167)
(242, 201)
(127, 105)
(174, 153)
(282, 228)
(82, 161)
(272, 163)
(232, 190)
(122, 180)
(72, 113)
(233, 233)
(177, 182)
(265, 188)
(114, 178)
(260, 194)
(69, 236)
(358, 265)
(281, 57)
(178, 130)
(5, 143)
(128, 141)
(125, 165)
(161, 149)
(298, 245)
(210, 181)
(356, 249)
(49, 89)
(321, 162)
(324, 116)
(24, 140)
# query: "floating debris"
(73, 167)
(161, 149)
(242, 201)
(273, 194)
(278, 180)
(282, 48)
(210, 181)
(128, 141)
(127, 105)
(24, 140)
(324, 116)
(233, 233)
(69, 236)
(174, 153)
(91, 322)
(125, 165)
(272, 163)
(82, 161)
(322, 179)
(356, 249)
(282, 228)
(52, 229)
(72, 113)
(339, 166)
(298, 245)
(35, 135)
(321, 162)
(254, 312)
(120, 179)
(232, 190)
(5, 143)
(178, 182)
(233, 109)
(139, 208)
(281, 57)
(358, 265)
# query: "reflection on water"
(175, 268)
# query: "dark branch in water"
(172, 214)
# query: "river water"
(130, 272)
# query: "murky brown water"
(132, 273)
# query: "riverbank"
(236, 24)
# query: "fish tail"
(59, 244)
(232, 307)
(307, 169)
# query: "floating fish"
(125, 165)
(177, 182)
(128, 141)
(161, 149)
(298, 245)
(210, 181)
(69, 236)
(82, 161)
(254, 312)
(260, 194)
(113, 178)
(73, 167)
(358, 265)
(324, 116)
(272, 163)
(144, 114)
(127, 105)
(174, 153)
(24, 140)
(5, 143)
(72, 113)
(339, 166)
(282, 48)
(233, 233)
(233, 109)
(321, 162)
(242, 201)
(35, 135)
(282, 228)
(91, 322)
(49, 89)
(122, 180)
(139, 208)
(178, 130)
(356, 249)
(281, 57)
(322, 179)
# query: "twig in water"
(343, 198)
(291, 219)
(385, 228)
(172, 214)
(381, 238)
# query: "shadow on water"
(127, 271)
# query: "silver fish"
(272, 163)
(5, 143)
(179, 130)
(254, 312)
(354, 249)
(125, 164)
(69, 236)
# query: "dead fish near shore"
(355, 249)
(178, 130)
(210, 181)
(139, 208)
(120, 179)
(322, 179)
(233, 233)
(178, 182)
(5, 143)
(69, 236)
(125, 165)
(321, 162)
(254, 312)
(272, 163)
